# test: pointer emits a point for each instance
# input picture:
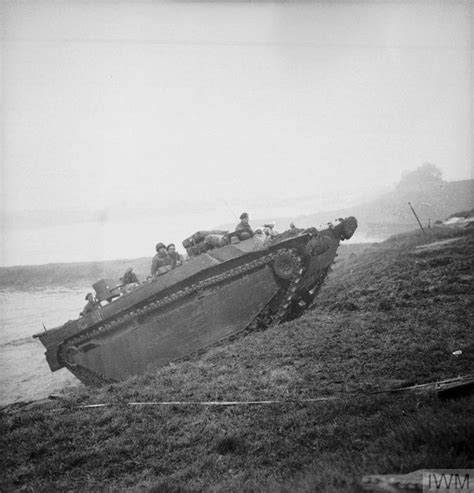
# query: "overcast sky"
(127, 123)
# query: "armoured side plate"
(181, 329)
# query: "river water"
(24, 372)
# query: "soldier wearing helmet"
(91, 305)
(129, 277)
(161, 261)
(176, 258)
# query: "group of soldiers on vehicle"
(127, 282)
(167, 258)
(265, 233)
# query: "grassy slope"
(388, 314)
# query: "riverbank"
(390, 314)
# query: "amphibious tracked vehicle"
(220, 292)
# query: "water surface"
(24, 372)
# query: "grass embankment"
(389, 314)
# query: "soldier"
(129, 277)
(244, 223)
(176, 258)
(260, 234)
(269, 231)
(161, 261)
(91, 305)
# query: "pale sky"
(127, 123)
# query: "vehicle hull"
(211, 298)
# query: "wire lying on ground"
(466, 381)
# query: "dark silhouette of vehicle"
(232, 289)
